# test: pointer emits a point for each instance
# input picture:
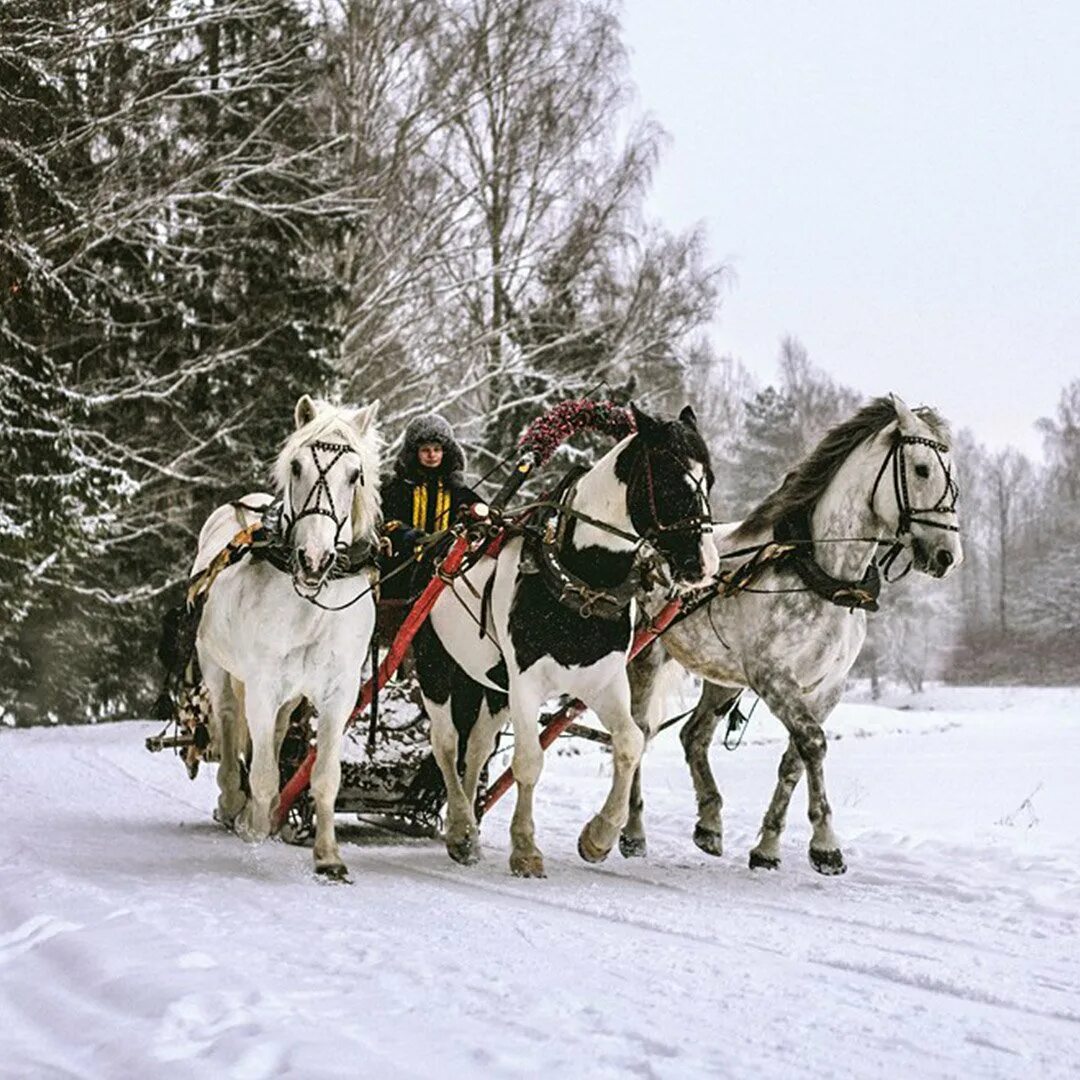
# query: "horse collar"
(566, 587)
(862, 594)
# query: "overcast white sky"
(895, 183)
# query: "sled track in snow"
(949, 948)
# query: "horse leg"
(325, 782)
(632, 841)
(461, 835)
(226, 711)
(806, 734)
(612, 705)
(281, 725)
(481, 745)
(254, 823)
(526, 859)
(643, 674)
(766, 854)
(696, 737)
(452, 701)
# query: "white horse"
(794, 634)
(269, 634)
(653, 485)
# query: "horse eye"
(922, 470)
(354, 476)
(296, 468)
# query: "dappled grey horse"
(793, 619)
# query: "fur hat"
(431, 428)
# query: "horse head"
(668, 476)
(327, 475)
(919, 504)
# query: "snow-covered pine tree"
(200, 200)
(55, 492)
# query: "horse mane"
(335, 423)
(804, 485)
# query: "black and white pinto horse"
(269, 634)
(792, 637)
(652, 487)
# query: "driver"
(426, 494)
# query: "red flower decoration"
(546, 433)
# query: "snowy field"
(139, 940)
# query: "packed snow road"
(138, 939)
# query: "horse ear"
(645, 424)
(365, 417)
(688, 417)
(905, 417)
(305, 411)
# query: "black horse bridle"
(320, 490)
(906, 513)
(700, 523)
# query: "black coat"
(417, 501)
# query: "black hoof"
(466, 852)
(709, 840)
(335, 872)
(763, 862)
(632, 847)
(827, 862)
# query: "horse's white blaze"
(710, 560)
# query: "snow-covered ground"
(137, 939)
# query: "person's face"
(430, 455)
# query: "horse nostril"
(301, 558)
(944, 559)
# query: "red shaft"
(400, 645)
(569, 713)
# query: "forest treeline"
(208, 207)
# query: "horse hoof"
(763, 862)
(466, 851)
(531, 866)
(335, 872)
(632, 847)
(829, 862)
(249, 833)
(711, 841)
(227, 818)
(588, 850)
